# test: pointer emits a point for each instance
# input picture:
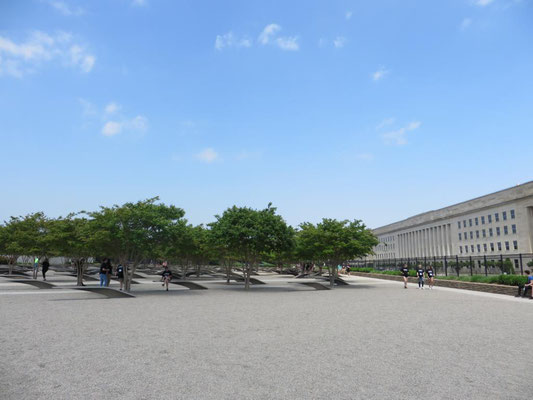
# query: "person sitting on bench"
(527, 286)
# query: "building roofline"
(427, 213)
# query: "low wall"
(479, 287)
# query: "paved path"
(372, 340)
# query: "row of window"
(485, 247)
(464, 236)
(475, 221)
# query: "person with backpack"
(405, 273)
(420, 274)
(120, 275)
(109, 273)
(45, 266)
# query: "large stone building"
(497, 224)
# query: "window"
(479, 248)
(492, 247)
(515, 244)
(497, 231)
(507, 246)
(485, 247)
(482, 220)
(464, 223)
(459, 235)
(504, 215)
(513, 228)
(499, 246)
(496, 217)
(472, 247)
(471, 235)
(477, 234)
(476, 221)
(458, 224)
(470, 222)
(489, 218)
(461, 249)
(466, 249)
(505, 230)
(512, 214)
(484, 232)
(490, 232)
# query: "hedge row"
(510, 280)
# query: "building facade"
(497, 224)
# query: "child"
(420, 274)
(166, 276)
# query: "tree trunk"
(246, 273)
(228, 272)
(198, 269)
(128, 276)
(80, 271)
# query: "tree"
(25, 236)
(248, 234)
(69, 237)
(507, 267)
(133, 232)
(333, 242)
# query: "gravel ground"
(372, 340)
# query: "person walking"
(45, 266)
(103, 273)
(420, 274)
(109, 273)
(431, 277)
(166, 276)
(35, 267)
(120, 275)
(405, 273)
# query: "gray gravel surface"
(372, 340)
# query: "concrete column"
(445, 239)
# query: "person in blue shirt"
(522, 290)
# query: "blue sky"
(344, 109)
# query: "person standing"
(405, 273)
(420, 274)
(120, 275)
(45, 266)
(35, 267)
(103, 273)
(109, 273)
(166, 276)
(431, 277)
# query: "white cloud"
(483, 3)
(112, 108)
(230, 40)
(19, 59)
(348, 15)
(399, 136)
(380, 74)
(111, 128)
(385, 122)
(269, 35)
(465, 23)
(65, 9)
(139, 3)
(364, 156)
(339, 42)
(288, 43)
(208, 155)
(136, 124)
(270, 31)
